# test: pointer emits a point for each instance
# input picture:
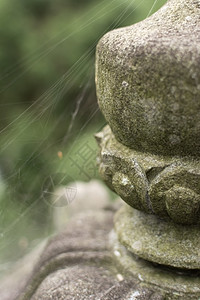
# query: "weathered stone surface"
(172, 283)
(79, 264)
(148, 81)
(159, 241)
(148, 88)
(163, 185)
(87, 262)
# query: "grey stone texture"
(156, 184)
(159, 241)
(148, 81)
(79, 264)
(148, 88)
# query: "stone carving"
(166, 186)
(148, 88)
(148, 81)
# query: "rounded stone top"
(148, 81)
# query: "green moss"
(158, 240)
(162, 185)
(172, 283)
(148, 81)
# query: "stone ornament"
(148, 81)
(165, 186)
(148, 88)
(164, 243)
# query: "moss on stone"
(148, 81)
(158, 240)
(173, 284)
(163, 185)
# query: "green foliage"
(48, 94)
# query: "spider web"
(19, 227)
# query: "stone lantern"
(148, 88)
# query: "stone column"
(148, 88)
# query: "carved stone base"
(173, 283)
(160, 241)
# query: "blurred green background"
(48, 108)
